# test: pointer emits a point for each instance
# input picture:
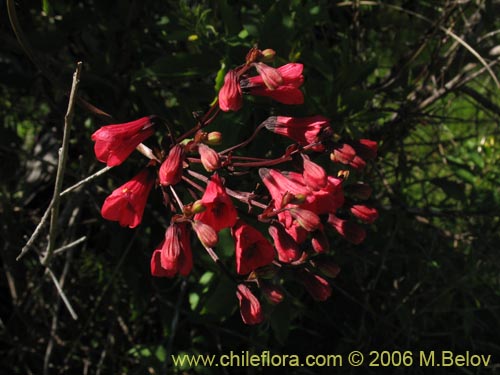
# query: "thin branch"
(62, 294)
(85, 180)
(37, 231)
(70, 245)
(63, 154)
(55, 319)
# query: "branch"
(63, 154)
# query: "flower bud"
(364, 213)
(271, 77)
(214, 138)
(267, 55)
(273, 293)
(198, 207)
(230, 96)
(209, 158)
(206, 234)
(306, 219)
(171, 169)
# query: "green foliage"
(426, 278)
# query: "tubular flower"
(114, 143)
(287, 248)
(230, 97)
(171, 169)
(220, 212)
(365, 148)
(287, 92)
(316, 286)
(173, 255)
(126, 204)
(252, 248)
(352, 232)
(250, 309)
(364, 213)
(303, 130)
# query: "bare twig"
(55, 319)
(63, 153)
(70, 245)
(85, 180)
(37, 231)
(62, 294)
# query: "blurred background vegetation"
(416, 76)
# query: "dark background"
(426, 277)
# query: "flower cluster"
(301, 201)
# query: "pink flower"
(304, 130)
(114, 143)
(252, 248)
(126, 204)
(173, 255)
(250, 309)
(230, 97)
(220, 212)
(171, 169)
(287, 92)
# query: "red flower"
(220, 212)
(173, 255)
(365, 148)
(230, 97)
(287, 248)
(252, 248)
(114, 143)
(270, 76)
(287, 92)
(126, 204)
(171, 169)
(314, 175)
(250, 309)
(316, 286)
(304, 130)
(364, 213)
(352, 232)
